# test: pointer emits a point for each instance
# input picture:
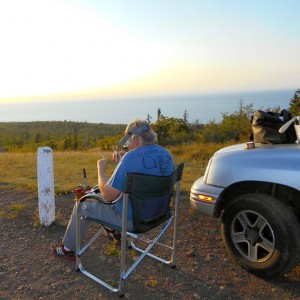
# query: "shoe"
(60, 251)
(113, 234)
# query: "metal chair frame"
(125, 273)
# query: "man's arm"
(109, 193)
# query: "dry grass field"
(19, 170)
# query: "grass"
(153, 282)
(112, 249)
(58, 222)
(19, 170)
(13, 211)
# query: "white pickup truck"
(255, 189)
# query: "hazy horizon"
(121, 110)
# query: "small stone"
(190, 253)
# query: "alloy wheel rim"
(252, 236)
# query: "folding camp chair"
(150, 197)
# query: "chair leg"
(80, 267)
(80, 250)
(176, 216)
(123, 262)
(146, 252)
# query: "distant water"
(203, 108)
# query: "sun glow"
(42, 56)
(77, 49)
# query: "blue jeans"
(93, 209)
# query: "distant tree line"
(66, 136)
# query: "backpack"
(265, 126)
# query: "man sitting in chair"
(144, 156)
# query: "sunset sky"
(68, 49)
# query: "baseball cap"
(134, 130)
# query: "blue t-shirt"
(148, 159)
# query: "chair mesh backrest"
(150, 197)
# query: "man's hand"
(117, 155)
(102, 165)
(109, 193)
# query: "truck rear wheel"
(262, 234)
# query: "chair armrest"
(99, 198)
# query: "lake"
(121, 110)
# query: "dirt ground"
(28, 270)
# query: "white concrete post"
(46, 186)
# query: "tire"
(262, 234)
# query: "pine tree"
(149, 118)
(75, 139)
(295, 104)
(158, 113)
(38, 138)
(185, 116)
